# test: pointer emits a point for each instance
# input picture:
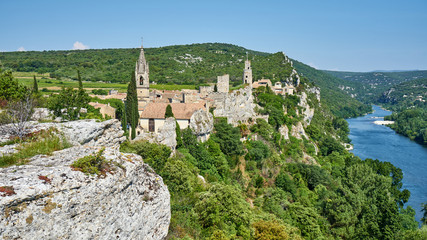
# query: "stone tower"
(247, 73)
(223, 83)
(142, 76)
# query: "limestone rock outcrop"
(307, 112)
(50, 200)
(284, 131)
(202, 124)
(236, 106)
(166, 134)
(298, 131)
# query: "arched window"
(141, 81)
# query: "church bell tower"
(142, 76)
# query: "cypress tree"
(168, 112)
(132, 115)
(215, 88)
(80, 80)
(124, 122)
(35, 86)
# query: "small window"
(151, 126)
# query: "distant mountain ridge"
(372, 84)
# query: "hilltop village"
(194, 108)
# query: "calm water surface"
(382, 143)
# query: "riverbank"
(375, 141)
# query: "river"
(382, 143)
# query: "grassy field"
(53, 84)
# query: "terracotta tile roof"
(180, 110)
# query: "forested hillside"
(182, 64)
(373, 84)
(408, 103)
(338, 100)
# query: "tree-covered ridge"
(373, 84)
(408, 103)
(338, 100)
(174, 64)
(405, 95)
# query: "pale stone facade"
(247, 73)
(223, 83)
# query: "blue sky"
(337, 35)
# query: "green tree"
(79, 79)
(68, 102)
(178, 135)
(132, 114)
(228, 138)
(35, 86)
(168, 112)
(223, 206)
(10, 89)
(424, 210)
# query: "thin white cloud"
(21, 49)
(79, 46)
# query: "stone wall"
(235, 106)
(223, 83)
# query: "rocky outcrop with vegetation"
(87, 191)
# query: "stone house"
(262, 83)
(152, 115)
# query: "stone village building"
(191, 107)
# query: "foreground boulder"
(47, 199)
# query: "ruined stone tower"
(247, 73)
(142, 76)
(223, 83)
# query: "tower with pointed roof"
(142, 76)
(247, 72)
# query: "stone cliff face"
(202, 124)
(307, 112)
(236, 106)
(52, 201)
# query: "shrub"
(93, 164)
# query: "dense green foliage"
(266, 188)
(410, 94)
(411, 123)
(10, 89)
(407, 101)
(68, 103)
(372, 84)
(172, 64)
